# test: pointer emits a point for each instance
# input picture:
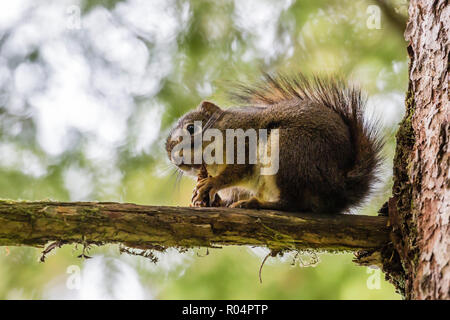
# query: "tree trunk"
(419, 209)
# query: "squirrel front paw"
(205, 193)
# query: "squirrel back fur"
(347, 102)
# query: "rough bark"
(419, 209)
(36, 223)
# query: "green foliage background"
(209, 43)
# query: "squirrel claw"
(204, 193)
(199, 185)
(199, 204)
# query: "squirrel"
(329, 153)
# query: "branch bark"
(36, 223)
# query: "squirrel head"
(189, 126)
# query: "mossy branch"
(138, 226)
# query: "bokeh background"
(89, 90)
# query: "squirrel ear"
(209, 108)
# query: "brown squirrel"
(329, 154)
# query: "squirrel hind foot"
(255, 203)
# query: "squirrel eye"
(190, 128)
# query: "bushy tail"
(347, 101)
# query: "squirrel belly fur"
(329, 153)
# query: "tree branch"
(396, 19)
(36, 223)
